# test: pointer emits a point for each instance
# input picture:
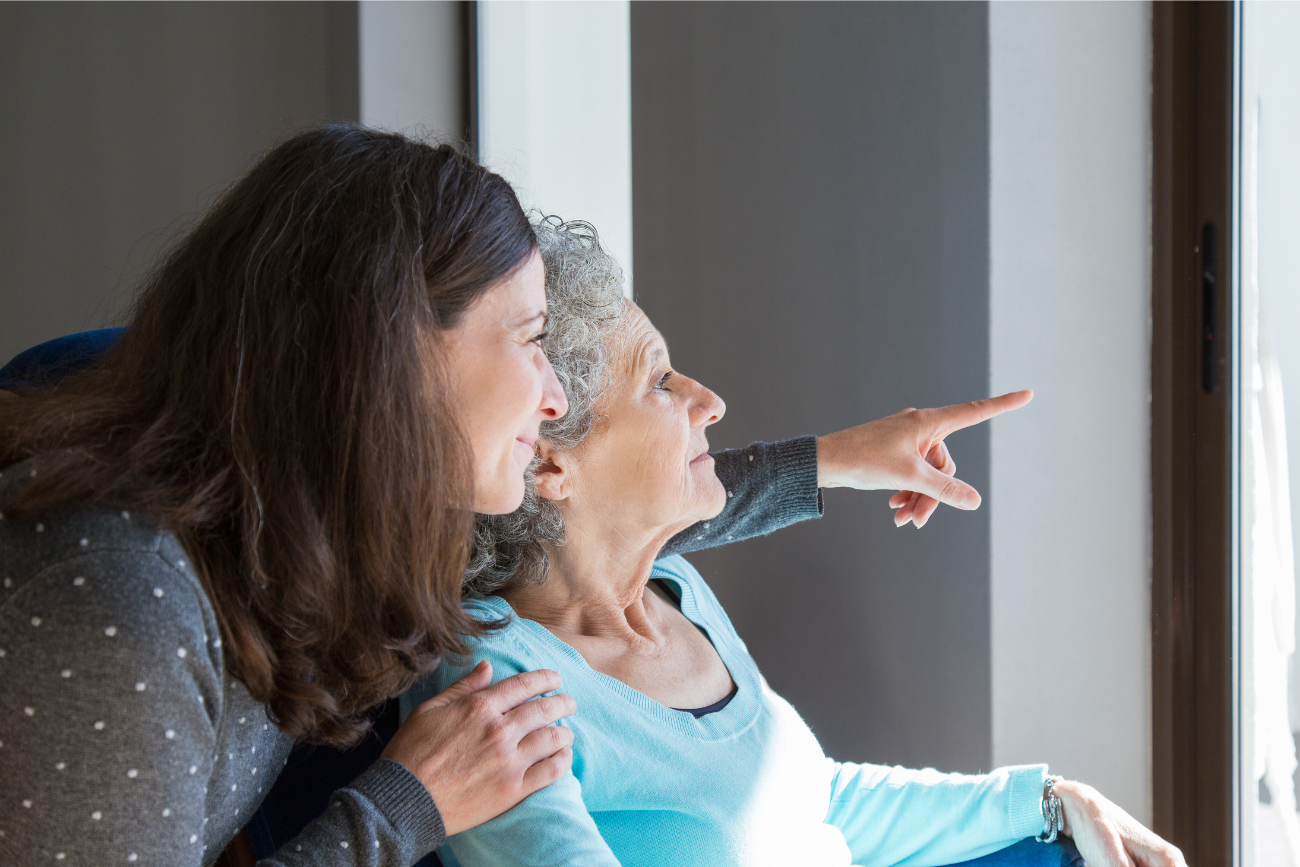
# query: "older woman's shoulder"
(511, 644)
(679, 567)
(697, 595)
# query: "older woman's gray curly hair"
(585, 301)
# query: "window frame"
(1193, 613)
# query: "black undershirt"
(697, 712)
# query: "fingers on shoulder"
(544, 742)
(548, 770)
(542, 711)
(516, 689)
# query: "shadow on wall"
(123, 121)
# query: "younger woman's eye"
(663, 380)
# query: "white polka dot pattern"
(112, 671)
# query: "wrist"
(1074, 803)
(1052, 811)
(827, 462)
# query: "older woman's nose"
(707, 408)
(554, 402)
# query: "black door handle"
(1209, 308)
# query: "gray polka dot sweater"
(124, 741)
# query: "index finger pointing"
(526, 686)
(962, 415)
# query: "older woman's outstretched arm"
(773, 485)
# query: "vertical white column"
(411, 72)
(1070, 307)
(555, 109)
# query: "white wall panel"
(555, 115)
(1069, 306)
(411, 66)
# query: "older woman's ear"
(551, 476)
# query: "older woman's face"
(650, 460)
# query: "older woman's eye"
(539, 337)
(662, 384)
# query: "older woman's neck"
(596, 581)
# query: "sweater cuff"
(402, 799)
(1025, 799)
(797, 496)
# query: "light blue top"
(747, 785)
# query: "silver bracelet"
(1053, 815)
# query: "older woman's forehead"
(647, 345)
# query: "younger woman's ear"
(551, 475)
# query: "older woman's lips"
(704, 456)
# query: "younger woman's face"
(507, 387)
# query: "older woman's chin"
(717, 500)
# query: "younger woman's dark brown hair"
(278, 402)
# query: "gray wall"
(810, 194)
(122, 121)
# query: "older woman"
(682, 753)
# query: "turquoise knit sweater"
(747, 785)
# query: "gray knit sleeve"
(108, 715)
(384, 818)
(769, 486)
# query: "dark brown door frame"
(1193, 383)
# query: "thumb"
(944, 488)
(478, 678)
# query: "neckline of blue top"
(698, 712)
(739, 713)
